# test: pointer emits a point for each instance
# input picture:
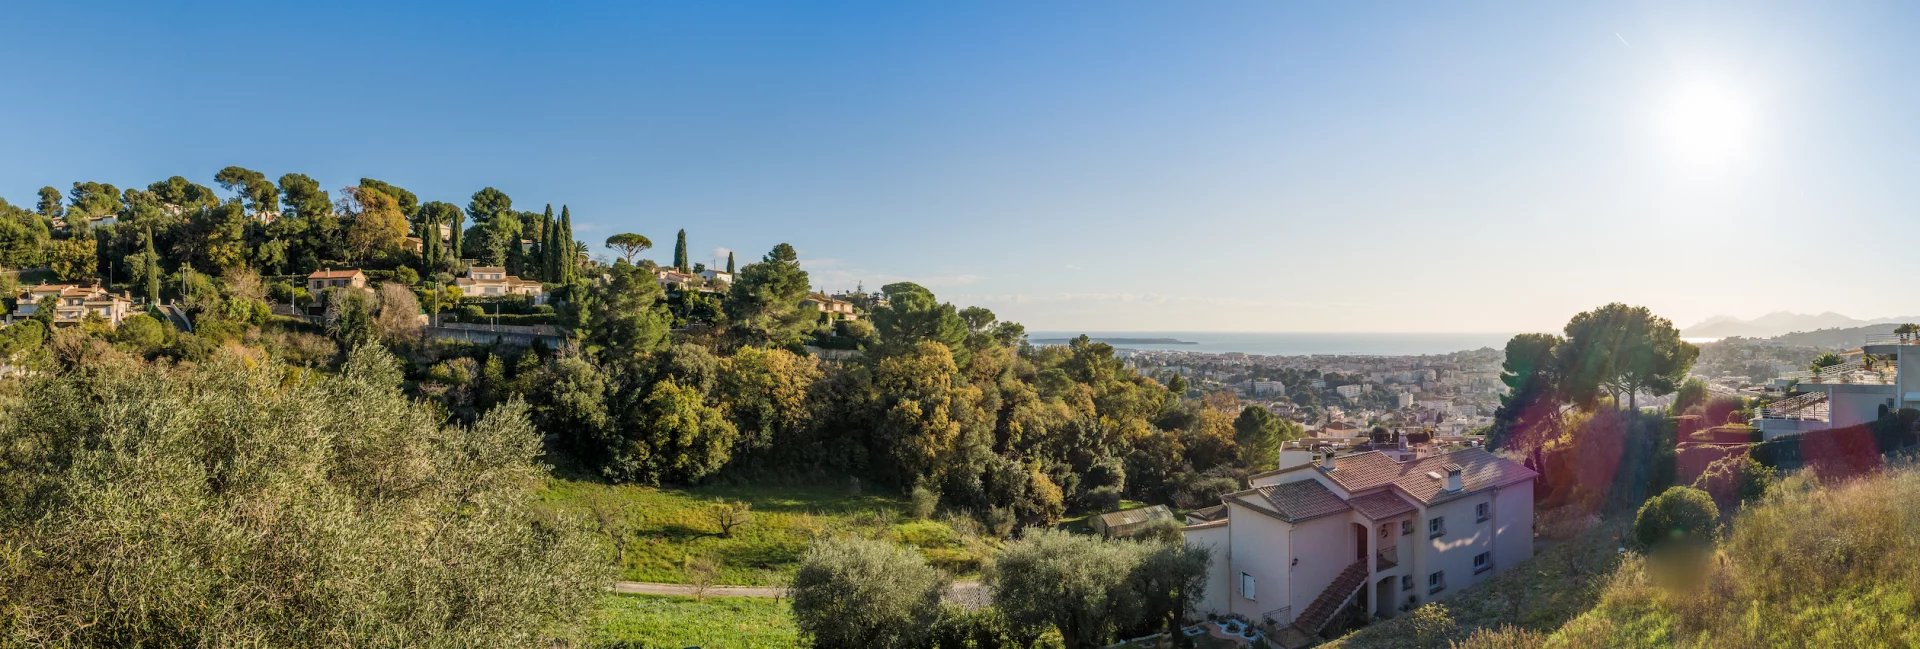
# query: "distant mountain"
(1779, 323)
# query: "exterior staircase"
(1323, 607)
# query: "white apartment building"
(1387, 529)
(1885, 378)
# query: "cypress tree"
(151, 268)
(544, 259)
(564, 245)
(680, 252)
(453, 239)
(729, 262)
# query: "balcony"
(1811, 406)
(1386, 558)
(1848, 373)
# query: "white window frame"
(1482, 512)
(1436, 582)
(1436, 527)
(1482, 562)
(1247, 586)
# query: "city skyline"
(1142, 167)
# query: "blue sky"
(1245, 166)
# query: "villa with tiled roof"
(1387, 530)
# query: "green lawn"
(656, 622)
(1078, 524)
(671, 526)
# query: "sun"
(1708, 123)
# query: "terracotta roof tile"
(1381, 505)
(1303, 499)
(1478, 470)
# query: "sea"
(1285, 344)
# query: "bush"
(405, 276)
(924, 501)
(1103, 499)
(472, 313)
(1679, 515)
(865, 593)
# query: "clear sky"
(1249, 166)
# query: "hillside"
(1808, 565)
(1780, 323)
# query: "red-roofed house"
(1368, 527)
(321, 280)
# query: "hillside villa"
(75, 302)
(1387, 529)
(320, 280)
(1884, 378)
(493, 281)
(832, 306)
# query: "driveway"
(967, 594)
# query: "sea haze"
(1288, 344)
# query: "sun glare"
(1708, 124)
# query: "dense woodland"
(651, 386)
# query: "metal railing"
(1893, 339)
(1855, 372)
(1279, 617)
(1386, 558)
(1811, 406)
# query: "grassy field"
(657, 622)
(671, 527)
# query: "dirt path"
(970, 594)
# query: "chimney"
(1326, 461)
(1453, 478)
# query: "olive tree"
(245, 503)
(865, 593)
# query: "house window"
(1436, 582)
(1383, 530)
(1406, 582)
(1436, 527)
(1246, 585)
(1483, 511)
(1406, 527)
(1482, 562)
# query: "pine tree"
(729, 262)
(151, 268)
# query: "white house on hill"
(1367, 527)
(1884, 379)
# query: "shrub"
(924, 501)
(865, 593)
(1103, 499)
(1678, 515)
(405, 276)
(473, 313)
